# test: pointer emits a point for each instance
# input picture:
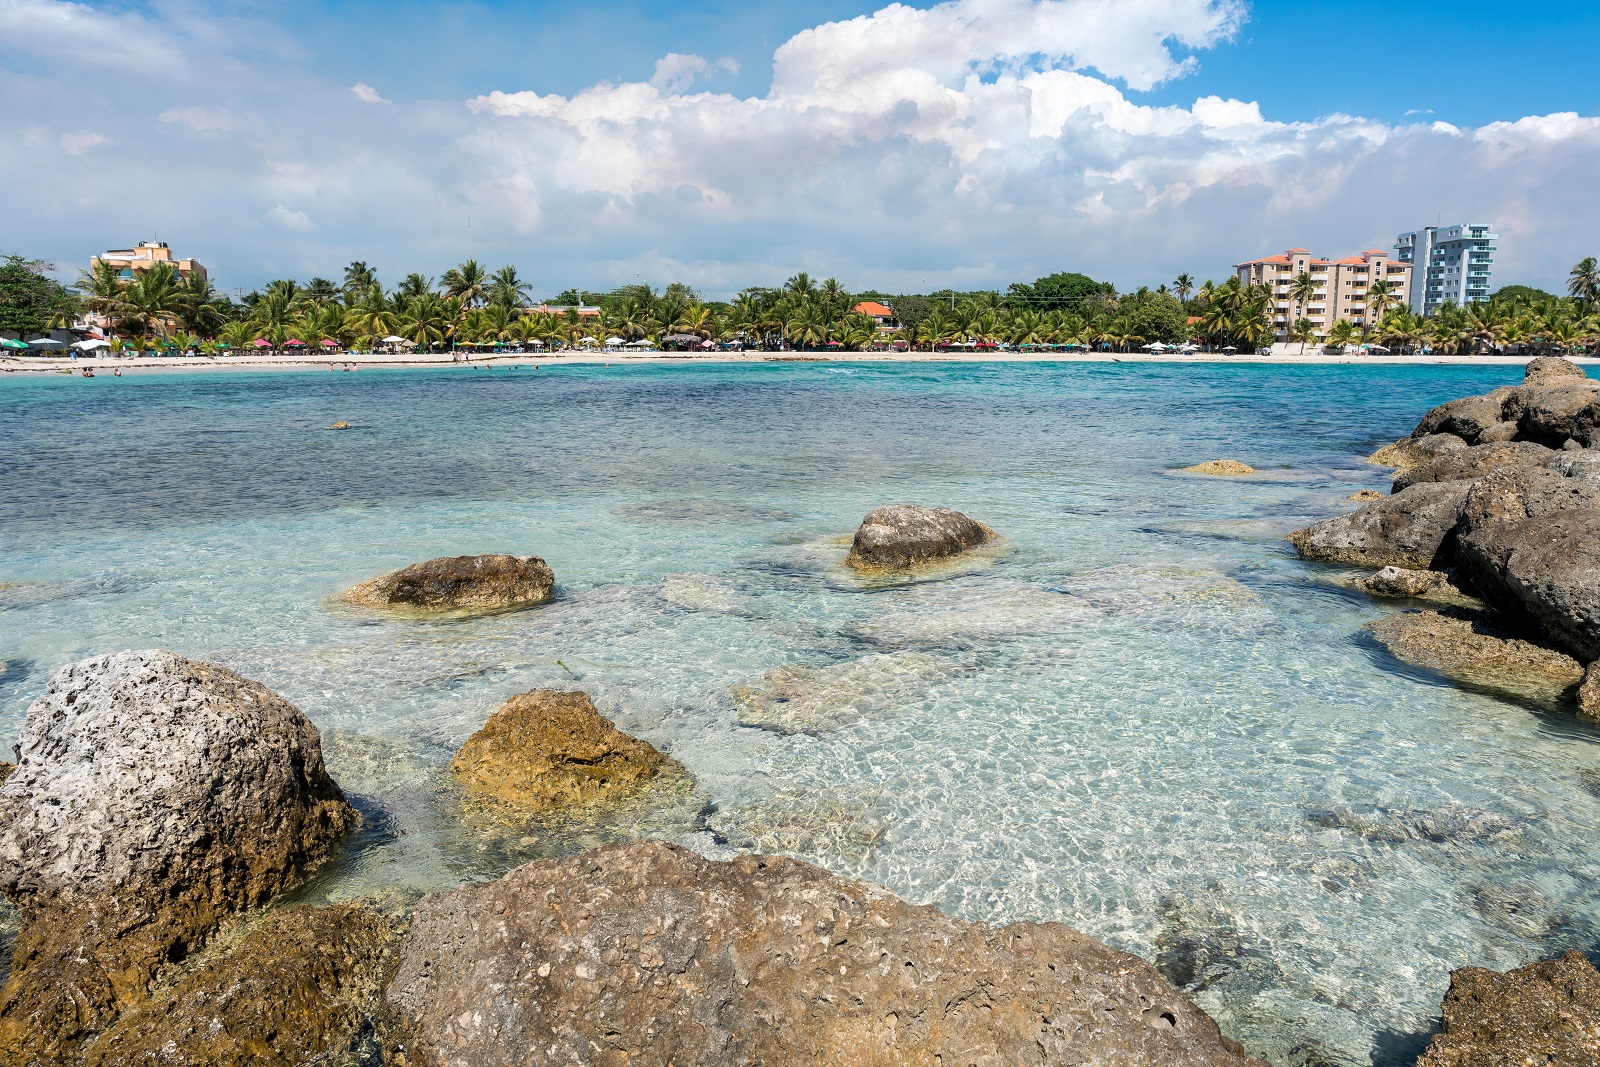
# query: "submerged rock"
(340, 426)
(1545, 1013)
(1471, 650)
(1472, 463)
(1365, 496)
(154, 797)
(949, 613)
(898, 536)
(836, 827)
(1400, 582)
(650, 955)
(1411, 528)
(1225, 467)
(460, 583)
(301, 988)
(1398, 825)
(1544, 571)
(545, 750)
(795, 700)
(1411, 451)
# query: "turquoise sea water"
(1141, 715)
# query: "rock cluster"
(648, 954)
(460, 584)
(1500, 494)
(545, 750)
(154, 797)
(1546, 1013)
(898, 536)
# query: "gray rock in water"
(1401, 582)
(1468, 648)
(1545, 1013)
(1466, 418)
(1413, 451)
(1511, 494)
(648, 954)
(897, 536)
(1500, 431)
(1545, 571)
(1474, 462)
(1410, 529)
(1553, 413)
(460, 583)
(1544, 369)
(154, 796)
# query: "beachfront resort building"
(143, 256)
(1452, 265)
(1341, 286)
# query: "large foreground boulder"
(649, 955)
(1466, 418)
(301, 988)
(903, 535)
(1468, 648)
(154, 796)
(1471, 463)
(546, 749)
(1545, 1013)
(1409, 529)
(460, 584)
(1512, 494)
(1544, 571)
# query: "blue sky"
(971, 143)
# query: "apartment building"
(1453, 265)
(1342, 286)
(143, 256)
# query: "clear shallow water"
(1141, 716)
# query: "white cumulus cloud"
(367, 94)
(289, 220)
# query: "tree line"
(469, 305)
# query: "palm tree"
(414, 286)
(358, 278)
(507, 290)
(155, 300)
(467, 283)
(1303, 330)
(1302, 291)
(1342, 333)
(1583, 284)
(427, 319)
(100, 290)
(1183, 285)
(1380, 298)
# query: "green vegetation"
(469, 305)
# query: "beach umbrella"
(91, 345)
(393, 340)
(47, 342)
(537, 344)
(588, 341)
(613, 340)
(294, 342)
(682, 338)
(328, 343)
(640, 343)
(1230, 348)
(707, 344)
(6, 342)
(262, 342)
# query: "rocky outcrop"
(1410, 529)
(1466, 418)
(1470, 649)
(1545, 1013)
(1365, 496)
(1589, 693)
(1223, 467)
(1511, 494)
(1472, 463)
(1546, 369)
(898, 536)
(301, 988)
(1401, 582)
(460, 584)
(1551, 413)
(1544, 571)
(154, 797)
(648, 954)
(1411, 451)
(545, 750)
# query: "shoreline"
(35, 366)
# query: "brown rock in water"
(1365, 496)
(1475, 462)
(1544, 571)
(1469, 649)
(1545, 1013)
(1402, 582)
(460, 583)
(1412, 529)
(1411, 451)
(1500, 431)
(301, 988)
(1466, 418)
(1224, 467)
(1589, 693)
(340, 426)
(649, 955)
(546, 749)
(897, 536)
(1543, 369)
(155, 796)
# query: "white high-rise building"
(1449, 265)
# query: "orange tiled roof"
(1268, 259)
(1292, 251)
(873, 308)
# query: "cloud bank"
(972, 143)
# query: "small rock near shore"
(1546, 1013)
(1402, 582)
(340, 426)
(471, 583)
(546, 749)
(1224, 467)
(1365, 496)
(650, 955)
(301, 988)
(1548, 369)
(898, 536)
(1470, 649)
(1412, 529)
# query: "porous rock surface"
(1466, 418)
(1409, 529)
(897, 536)
(299, 989)
(1589, 693)
(1410, 451)
(647, 954)
(154, 796)
(546, 749)
(1470, 649)
(460, 583)
(1225, 467)
(1474, 462)
(1402, 582)
(1544, 571)
(1511, 494)
(1546, 1013)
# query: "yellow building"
(145, 255)
(1342, 286)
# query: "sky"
(725, 143)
